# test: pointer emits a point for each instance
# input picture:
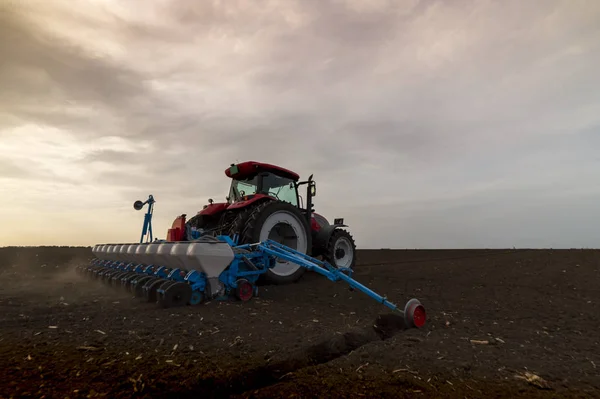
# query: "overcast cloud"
(426, 123)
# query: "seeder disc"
(101, 274)
(126, 281)
(114, 280)
(119, 282)
(150, 289)
(178, 294)
(122, 283)
(104, 274)
(140, 278)
(166, 284)
(138, 289)
(160, 292)
(107, 278)
(98, 272)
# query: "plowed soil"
(514, 323)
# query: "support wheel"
(414, 314)
(244, 290)
(196, 298)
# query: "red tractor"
(264, 203)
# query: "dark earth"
(510, 323)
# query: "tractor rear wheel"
(237, 225)
(341, 250)
(283, 223)
(227, 222)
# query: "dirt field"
(518, 323)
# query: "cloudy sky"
(426, 123)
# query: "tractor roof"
(248, 168)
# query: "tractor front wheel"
(341, 250)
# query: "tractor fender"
(321, 238)
(249, 200)
(213, 209)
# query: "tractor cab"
(252, 181)
(256, 179)
(264, 183)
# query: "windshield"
(278, 187)
(281, 188)
(242, 187)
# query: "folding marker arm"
(147, 227)
(414, 312)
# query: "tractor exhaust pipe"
(311, 191)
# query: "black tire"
(340, 242)
(238, 224)
(252, 234)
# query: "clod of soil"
(384, 327)
(389, 324)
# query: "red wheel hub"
(244, 290)
(414, 313)
(419, 316)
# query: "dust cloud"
(47, 275)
